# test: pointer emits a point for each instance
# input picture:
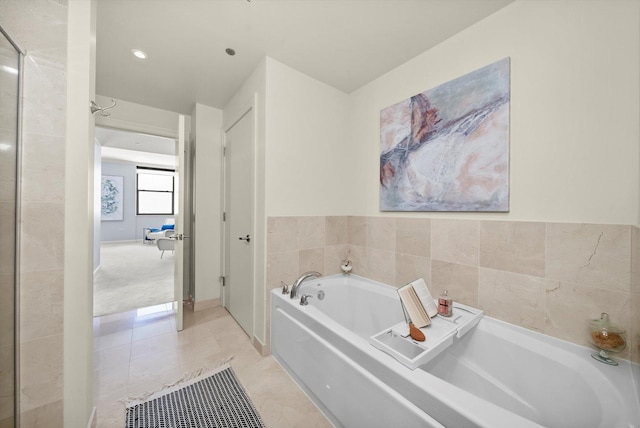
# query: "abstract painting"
(112, 197)
(447, 149)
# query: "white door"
(180, 186)
(239, 241)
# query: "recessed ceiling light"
(139, 54)
(230, 51)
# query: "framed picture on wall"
(447, 149)
(112, 198)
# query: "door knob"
(246, 238)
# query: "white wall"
(207, 204)
(308, 153)
(97, 205)
(138, 118)
(574, 107)
(79, 227)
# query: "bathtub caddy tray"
(439, 336)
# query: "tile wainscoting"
(547, 277)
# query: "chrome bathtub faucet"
(300, 280)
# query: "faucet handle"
(285, 287)
(304, 299)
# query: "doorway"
(131, 270)
(238, 295)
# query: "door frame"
(248, 107)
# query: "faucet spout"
(298, 282)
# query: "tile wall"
(634, 335)
(40, 28)
(547, 277)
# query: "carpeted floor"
(131, 276)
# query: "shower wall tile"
(570, 307)
(43, 114)
(38, 25)
(336, 230)
(635, 259)
(357, 231)
(410, 268)
(461, 281)
(312, 260)
(513, 297)
(517, 247)
(282, 266)
(634, 334)
(6, 312)
(634, 331)
(41, 372)
(7, 162)
(45, 120)
(47, 416)
(42, 241)
(589, 254)
(44, 85)
(413, 236)
(381, 233)
(455, 241)
(7, 240)
(358, 257)
(40, 28)
(45, 157)
(43, 316)
(381, 265)
(311, 232)
(519, 272)
(6, 383)
(333, 257)
(282, 234)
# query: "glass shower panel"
(9, 133)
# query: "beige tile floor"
(139, 351)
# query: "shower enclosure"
(10, 95)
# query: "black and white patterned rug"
(218, 400)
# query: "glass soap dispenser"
(607, 337)
(445, 304)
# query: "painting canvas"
(112, 197)
(447, 149)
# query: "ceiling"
(344, 43)
(141, 149)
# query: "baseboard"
(261, 347)
(93, 420)
(205, 304)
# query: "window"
(155, 191)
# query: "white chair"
(165, 244)
(166, 230)
(153, 236)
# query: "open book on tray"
(418, 303)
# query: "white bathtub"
(497, 375)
